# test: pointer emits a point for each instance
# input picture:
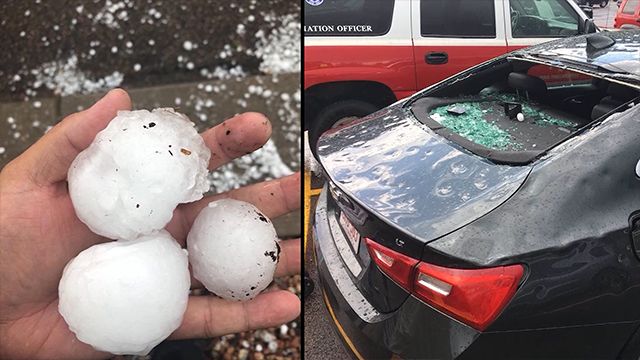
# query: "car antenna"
(597, 42)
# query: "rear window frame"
(506, 157)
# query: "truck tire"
(333, 113)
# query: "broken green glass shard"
(546, 120)
(472, 126)
(540, 118)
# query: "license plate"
(352, 233)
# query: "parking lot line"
(307, 207)
(308, 194)
(339, 327)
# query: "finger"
(48, 160)
(236, 137)
(209, 316)
(274, 198)
(289, 263)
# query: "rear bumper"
(416, 330)
(413, 331)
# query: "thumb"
(48, 160)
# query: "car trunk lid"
(394, 181)
(412, 179)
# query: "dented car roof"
(618, 61)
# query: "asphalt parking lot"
(321, 337)
(603, 17)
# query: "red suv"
(628, 16)
(362, 55)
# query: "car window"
(542, 18)
(555, 77)
(347, 17)
(458, 18)
(630, 7)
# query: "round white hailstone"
(520, 117)
(125, 297)
(233, 249)
(131, 178)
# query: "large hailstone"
(136, 171)
(125, 297)
(233, 249)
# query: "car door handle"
(436, 58)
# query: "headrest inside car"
(533, 85)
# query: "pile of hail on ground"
(117, 296)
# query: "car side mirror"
(588, 10)
(588, 27)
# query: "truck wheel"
(332, 114)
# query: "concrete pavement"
(322, 341)
(603, 17)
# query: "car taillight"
(397, 266)
(473, 296)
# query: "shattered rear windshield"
(486, 121)
(513, 110)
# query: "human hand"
(40, 233)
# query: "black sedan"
(493, 215)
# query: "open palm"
(40, 233)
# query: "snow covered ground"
(275, 47)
